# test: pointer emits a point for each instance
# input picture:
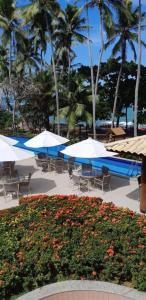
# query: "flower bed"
(68, 237)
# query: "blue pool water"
(117, 166)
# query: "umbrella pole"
(143, 186)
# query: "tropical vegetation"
(39, 78)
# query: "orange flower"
(141, 246)
(94, 273)
(110, 251)
(141, 263)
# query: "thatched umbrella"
(136, 145)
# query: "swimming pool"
(116, 165)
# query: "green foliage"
(60, 237)
(5, 119)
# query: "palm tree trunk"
(101, 53)
(41, 60)
(69, 67)
(92, 78)
(56, 89)
(14, 113)
(10, 58)
(55, 78)
(138, 72)
(116, 94)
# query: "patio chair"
(75, 180)
(52, 164)
(84, 183)
(24, 183)
(103, 182)
(38, 162)
(11, 188)
(86, 167)
(42, 155)
(105, 170)
(59, 168)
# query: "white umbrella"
(11, 153)
(7, 139)
(87, 149)
(46, 139)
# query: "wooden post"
(143, 186)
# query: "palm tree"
(12, 36)
(74, 108)
(105, 23)
(28, 59)
(40, 15)
(67, 31)
(92, 76)
(138, 71)
(124, 34)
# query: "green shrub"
(68, 237)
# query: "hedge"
(48, 239)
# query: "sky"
(81, 51)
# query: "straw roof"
(136, 145)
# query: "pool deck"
(124, 192)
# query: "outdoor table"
(88, 174)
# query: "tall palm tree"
(12, 35)
(40, 15)
(124, 34)
(138, 71)
(67, 31)
(105, 15)
(92, 76)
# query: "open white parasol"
(46, 139)
(12, 153)
(88, 149)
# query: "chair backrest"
(86, 167)
(105, 170)
(83, 180)
(26, 178)
(75, 178)
(38, 162)
(42, 155)
(10, 186)
(106, 179)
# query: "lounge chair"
(116, 133)
(103, 182)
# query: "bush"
(54, 238)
